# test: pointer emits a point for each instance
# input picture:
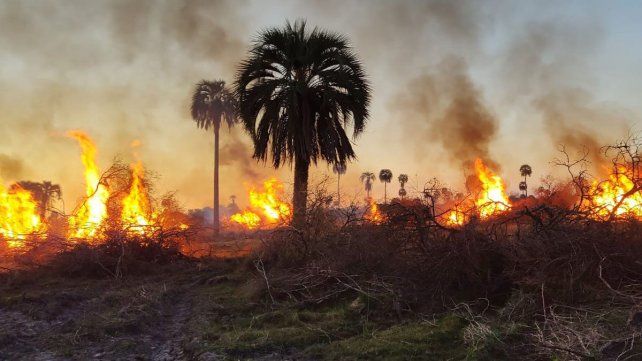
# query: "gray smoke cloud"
(546, 66)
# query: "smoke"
(10, 167)
(237, 153)
(546, 66)
(446, 107)
(121, 70)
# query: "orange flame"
(266, 207)
(492, 199)
(137, 212)
(373, 215)
(86, 221)
(616, 196)
(454, 217)
(18, 216)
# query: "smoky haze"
(452, 81)
(447, 108)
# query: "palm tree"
(526, 171)
(339, 169)
(213, 103)
(523, 188)
(43, 193)
(367, 178)
(403, 179)
(385, 176)
(298, 91)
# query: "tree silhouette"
(298, 91)
(339, 169)
(367, 178)
(213, 103)
(523, 188)
(385, 176)
(43, 193)
(526, 171)
(403, 179)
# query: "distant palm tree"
(367, 178)
(385, 176)
(213, 103)
(339, 169)
(526, 171)
(403, 179)
(233, 199)
(298, 92)
(523, 188)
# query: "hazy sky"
(503, 80)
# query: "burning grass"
(555, 275)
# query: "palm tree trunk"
(216, 220)
(525, 190)
(338, 190)
(300, 197)
(385, 192)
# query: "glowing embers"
(267, 207)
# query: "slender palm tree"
(403, 179)
(298, 92)
(385, 176)
(339, 169)
(367, 178)
(213, 103)
(526, 171)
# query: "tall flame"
(492, 199)
(265, 206)
(137, 213)
(18, 216)
(85, 223)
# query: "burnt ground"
(197, 311)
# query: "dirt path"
(169, 336)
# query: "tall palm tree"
(367, 178)
(213, 103)
(339, 169)
(403, 179)
(526, 171)
(385, 176)
(298, 91)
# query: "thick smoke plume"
(447, 108)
